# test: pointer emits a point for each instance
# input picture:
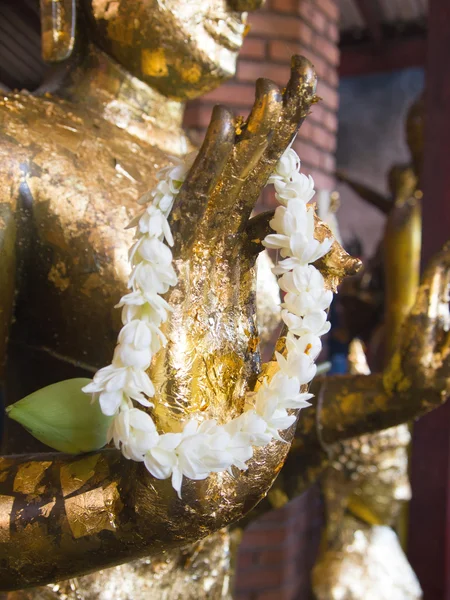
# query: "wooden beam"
(370, 14)
(429, 536)
(391, 55)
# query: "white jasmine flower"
(161, 459)
(308, 344)
(288, 220)
(177, 455)
(249, 428)
(144, 306)
(307, 249)
(276, 418)
(303, 303)
(153, 277)
(297, 365)
(285, 389)
(288, 164)
(314, 322)
(127, 355)
(303, 278)
(134, 433)
(154, 222)
(299, 187)
(206, 447)
(114, 384)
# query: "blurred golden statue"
(73, 160)
(366, 484)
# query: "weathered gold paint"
(75, 475)
(6, 505)
(91, 512)
(29, 477)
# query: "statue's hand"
(236, 159)
(212, 356)
(420, 368)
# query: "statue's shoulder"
(32, 127)
(53, 141)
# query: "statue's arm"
(366, 193)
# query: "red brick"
(261, 539)
(330, 8)
(274, 26)
(197, 115)
(253, 48)
(313, 16)
(247, 559)
(308, 153)
(232, 94)
(271, 557)
(333, 33)
(282, 50)
(286, 6)
(307, 129)
(284, 593)
(307, 10)
(237, 595)
(332, 76)
(323, 138)
(329, 95)
(250, 71)
(319, 21)
(323, 181)
(260, 579)
(331, 121)
(329, 163)
(326, 49)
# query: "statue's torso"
(72, 180)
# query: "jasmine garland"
(206, 447)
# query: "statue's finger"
(297, 99)
(225, 205)
(204, 174)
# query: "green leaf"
(63, 417)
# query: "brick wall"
(278, 551)
(280, 29)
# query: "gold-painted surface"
(201, 571)
(366, 563)
(93, 511)
(29, 477)
(366, 486)
(6, 505)
(180, 49)
(76, 475)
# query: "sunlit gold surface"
(367, 563)
(202, 571)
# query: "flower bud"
(62, 417)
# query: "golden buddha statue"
(366, 485)
(73, 161)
